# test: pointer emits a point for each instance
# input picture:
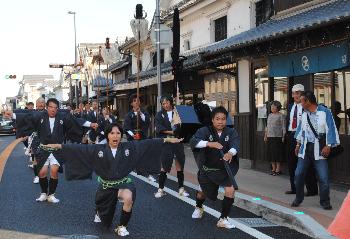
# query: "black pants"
(310, 179)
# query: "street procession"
(192, 119)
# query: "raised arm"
(147, 156)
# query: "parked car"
(6, 126)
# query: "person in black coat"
(105, 120)
(206, 144)
(165, 129)
(52, 126)
(112, 163)
(93, 116)
(130, 120)
(293, 119)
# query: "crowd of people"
(87, 140)
(309, 131)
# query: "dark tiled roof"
(334, 11)
(117, 66)
(182, 6)
(191, 61)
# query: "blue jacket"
(325, 126)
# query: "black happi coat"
(93, 119)
(162, 123)
(81, 160)
(102, 125)
(130, 124)
(211, 158)
(65, 126)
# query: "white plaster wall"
(146, 57)
(243, 83)
(198, 26)
(134, 64)
(239, 17)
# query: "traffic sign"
(10, 76)
(166, 36)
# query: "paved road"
(168, 217)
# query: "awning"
(325, 13)
(321, 59)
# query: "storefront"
(323, 70)
(310, 48)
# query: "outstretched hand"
(173, 140)
(52, 146)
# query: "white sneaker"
(97, 219)
(223, 222)
(151, 178)
(198, 213)
(160, 193)
(42, 198)
(36, 180)
(183, 193)
(121, 231)
(51, 198)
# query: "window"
(187, 45)
(342, 95)
(220, 28)
(280, 92)
(323, 88)
(155, 57)
(263, 11)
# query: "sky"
(35, 33)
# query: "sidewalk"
(271, 188)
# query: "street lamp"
(75, 59)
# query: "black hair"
(217, 110)
(309, 96)
(134, 96)
(30, 103)
(337, 107)
(110, 127)
(167, 98)
(277, 104)
(53, 100)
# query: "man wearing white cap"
(295, 110)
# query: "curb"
(277, 214)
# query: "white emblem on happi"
(100, 154)
(344, 59)
(61, 121)
(305, 63)
(227, 138)
(41, 121)
(127, 152)
(211, 138)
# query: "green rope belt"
(205, 168)
(50, 150)
(110, 184)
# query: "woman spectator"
(274, 137)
